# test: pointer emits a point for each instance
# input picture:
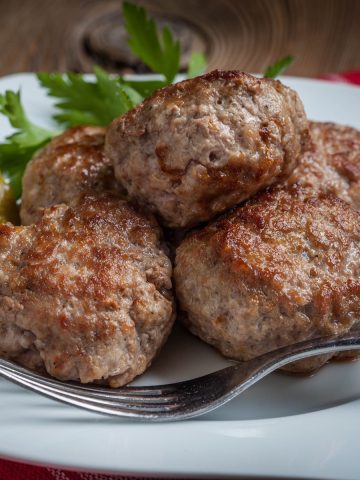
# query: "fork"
(176, 401)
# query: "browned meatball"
(71, 164)
(198, 147)
(332, 162)
(282, 269)
(86, 292)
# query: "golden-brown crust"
(331, 163)
(72, 164)
(80, 231)
(283, 268)
(268, 240)
(89, 288)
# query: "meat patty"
(71, 164)
(282, 269)
(332, 162)
(85, 293)
(198, 147)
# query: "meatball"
(196, 148)
(85, 293)
(71, 164)
(332, 162)
(282, 269)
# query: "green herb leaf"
(28, 134)
(13, 161)
(88, 102)
(158, 50)
(145, 87)
(197, 64)
(19, 147)
(278, 67)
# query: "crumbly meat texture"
(331, 163)
(282, 269)
(201, 146)
(70, 165)
(86, 292)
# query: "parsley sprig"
(19, 147)
(89, 102)
(158, 50)
(99, 101)
(278, 67)
(197, 64)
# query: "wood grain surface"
(323, 35)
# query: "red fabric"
(347, 77)
(21, 471)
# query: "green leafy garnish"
(27, 133)
(278, 67)
(159, 51)
(145, 87)
(98, 102)
(197, 65)
(88, 102)
(19, 147)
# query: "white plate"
(285, 427)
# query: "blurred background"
(48, 35)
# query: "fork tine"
(130, 391)
(145, 407)
(140, 393)
(113, 406)
(170, 394)
(97, 395)
(178, 395)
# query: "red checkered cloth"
(21, 471)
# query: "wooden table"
(323, 35)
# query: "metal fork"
(176, 401)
